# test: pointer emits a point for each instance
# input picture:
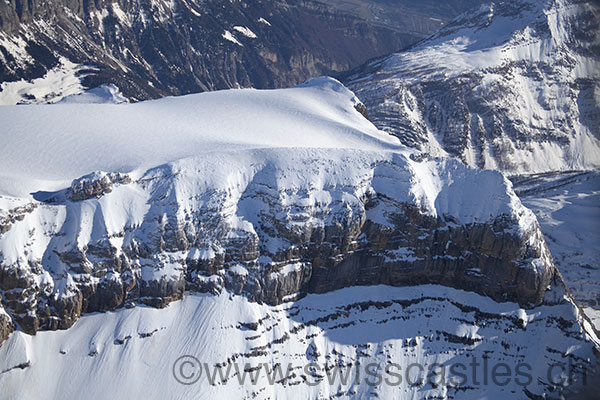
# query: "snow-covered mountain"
(514, 86)
(268, 208)
(291, 192)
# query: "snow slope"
(133, 353)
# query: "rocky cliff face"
(306, 197)
(6, 325)
(512, 86)
(270, 230)
(150, 49)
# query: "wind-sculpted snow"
(512, 86)
(268, 194)
(45, 148)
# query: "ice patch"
(264, 21)
(229, 36)
(245, 31)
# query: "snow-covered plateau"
(262, 221)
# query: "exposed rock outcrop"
(7, 218)
(95, 185)
(6, 324)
